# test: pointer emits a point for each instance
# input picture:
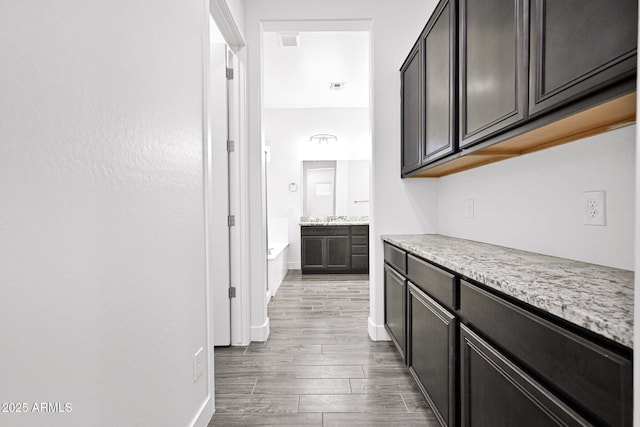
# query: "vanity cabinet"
(360, 248)
(334, 249)
(484, 358)
(488, 80)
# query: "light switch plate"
(470, 209)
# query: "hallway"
(319, 366)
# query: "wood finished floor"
(318, 367)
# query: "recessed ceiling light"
(289, 39)
(337, 85)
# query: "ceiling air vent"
(337, 85)
(289, 39)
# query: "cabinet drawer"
(495, 392)
(395, 257)
(596, 379)
(360, 263)
(359, 240)
(329, 230)
(432, 280)
(360, 229)
(359, 250)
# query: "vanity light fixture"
(337, 85)
(323, 138)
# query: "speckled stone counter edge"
(594, 297)
(334, 220)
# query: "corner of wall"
(260, 333)
(377, 332)
(204, 415)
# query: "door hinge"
(231, 220)
(229, 73)
(232, 292)
(231, 146)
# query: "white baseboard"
(204, 415)
(261, 333)
(378, 332)
(294, 265)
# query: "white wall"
(636, 332)
(102, 251)
(287, 131)
(395, 26)
(534, 202)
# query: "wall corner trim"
(261, 333)
(204, 414)
(378, 332)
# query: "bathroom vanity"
(334, 245)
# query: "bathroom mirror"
(335, 187)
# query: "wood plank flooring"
(318, 367)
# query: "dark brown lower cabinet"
(325, 253)
(431, 353)
(338, 252)
(335, 249)
(395, 307)
(482, 358)
(495, 392)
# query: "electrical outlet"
(198, 364)
(594, 208)
(470, 209)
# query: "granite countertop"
(595, 297)
(334, 220)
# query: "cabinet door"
(395, 304)
(431, 353)
(597, 380)
(493, 67)
(578, 47)
(495, 392)
(337, 252)
(313, 249)
(411, 111)
(439, 82)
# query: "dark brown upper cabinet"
(412, 110)
(493, 67)
(579, 47)
(438, 44)
(429, 92)
(529, 75)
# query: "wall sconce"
(323, 138)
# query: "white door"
(219, 189)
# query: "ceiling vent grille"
(289, 39)
(336, 85)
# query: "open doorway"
(316, 127)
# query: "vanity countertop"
(595, 297)
(334, 220)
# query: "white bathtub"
(277, 265)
